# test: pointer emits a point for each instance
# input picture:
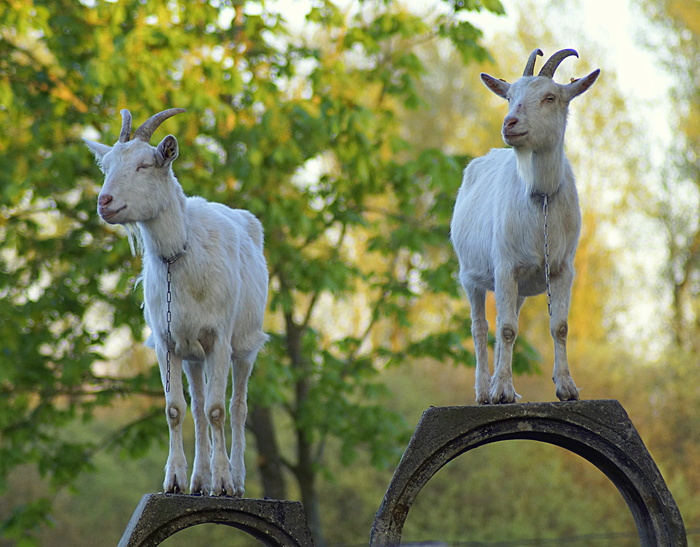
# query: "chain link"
(168, 317)
(545, 211)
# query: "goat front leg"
(507, 305)
(480, 331)
(217, 367)
(200, 483)
(239, 412)
(566, 389)
(175, 408)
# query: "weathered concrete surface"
(273, 522)
(599, 431)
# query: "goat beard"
(133, 234)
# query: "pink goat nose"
(105, 199)
(510, 122)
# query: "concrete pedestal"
(599, 431)
(274, 523)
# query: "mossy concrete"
(599, 431)
(272, 522)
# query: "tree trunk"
(269, 462)
(304, 468)
(306, 476)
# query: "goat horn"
(146, 130)
(125, 134)
(530, 66)
(553, 62)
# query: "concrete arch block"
(599, 431)
(274, 523)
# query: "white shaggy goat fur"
(219, 291)
(497, 226)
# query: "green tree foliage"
(301, 127)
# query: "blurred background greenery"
(344, 126)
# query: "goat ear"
(575, 88)
(99, 150)
(167, 151)
(499, 87)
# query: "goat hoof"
(567, 390)
(173, 487)
(483, 397)
(568, 396)
(200, 487)
(223, 490)
(504, 396)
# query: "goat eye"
(550, 98)
(142, 166)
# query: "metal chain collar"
(168, 316)
(545, 210)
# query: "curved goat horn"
(125, 134)
(146, 130)
(530, 66)
(553, 62)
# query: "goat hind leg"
(239, 412)
(217, 366)
(480, 329)
(200, 483)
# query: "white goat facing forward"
(214, 258)
(497, 226)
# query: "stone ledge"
(599, 431)
(272, 522)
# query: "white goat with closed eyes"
(497, 226)
(205, 288)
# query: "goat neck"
(541, 171)
(165, 235)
